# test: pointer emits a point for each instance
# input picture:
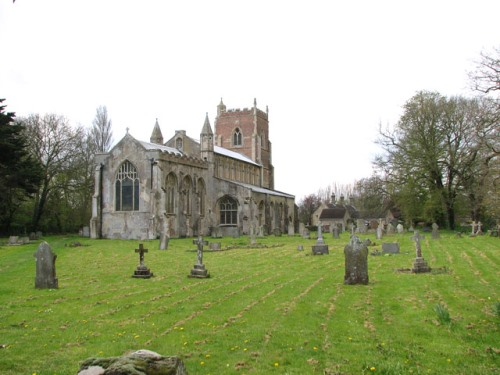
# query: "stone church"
(219, 185)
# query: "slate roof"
(332, 213)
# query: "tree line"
(441, 161)
(47, 171)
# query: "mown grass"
(264, 310)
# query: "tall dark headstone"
(356, 262)
(45, 267)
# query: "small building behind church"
(219, 185)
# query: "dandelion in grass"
(276, 364)
(207, 355)
(373, 369)
(202, 363)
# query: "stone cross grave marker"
(199, 270)
(142, 271)
(45, 267)
(419, 265)
(320, 247)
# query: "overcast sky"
(329, 71)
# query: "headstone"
(253, 240)
(291, 230)
(335, 231)
(86, 232)
(400, 228)
(390, 248)
(38, 234)
(13, 240)
(142, 272)
(164, 238)
(216, 232)
(356, 262)
(33, 236)
(261, 231)
(45, 267)
(435, 231)
(199, 271)
(214, 246)
(141, 362)
(277, 232)
(390, 229)
(300, 247)
(380, 231)
(306, 234)
(361, 226)
(473, 228)
(419, 265)
(411, 229)
(320, 247)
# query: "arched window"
(237, 137)
(171, 188)
(127, 188)
(228, 211)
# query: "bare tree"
(101, 130)
(56, 145)
(486, 77)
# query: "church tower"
(207, 141)
(156, 136)
(246, 131)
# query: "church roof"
(333, 213)
(234, 155)
(154, 146)
(258, 189)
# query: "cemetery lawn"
(267, 310)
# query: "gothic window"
(228, 211)
(237, 137)
(171, 188)
(127, 188)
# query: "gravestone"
(473, 228)
(45, 267)
(435, 231)
(142, 272)
(261, 231)
(86, 232)
(300, 247)
(164, 238)
(390, 229)
(216, 232)
(380, 231)
(13, 240)
(199, 271)
(390, 248)
(253, 239)
(400, 228)
(306, 234)
(361, 226)
(320, 247)
(419, 265)
(411, 229)
(214, 246)
(335, 231)
(291, 230)
(356, 262)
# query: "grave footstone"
(45, 267)
(390, 248)
(199, 271)
(214, 246)
(356, 262)
(142, 271)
